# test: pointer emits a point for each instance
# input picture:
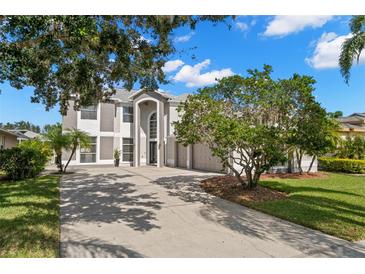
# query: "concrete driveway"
(162, 212)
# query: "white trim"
(143, 90)
(149, 138)
(137, 130)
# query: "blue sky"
(291, 44)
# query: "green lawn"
(29, 217)
(334, 204)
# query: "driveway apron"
(162, 212)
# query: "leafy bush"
(37, 144)
(352, 148)
(22, 162)
(342, 165)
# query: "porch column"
(160, 134)
(189, 157)
(137, 122)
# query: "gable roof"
(163, 94)
(128, 96)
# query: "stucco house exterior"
(10, 138)
(352, 125)
(139, 124)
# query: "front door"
(153, 152)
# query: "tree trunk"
(69, 159)
(59, 162)
(256, 179)
(299, 156)
(310, 166)
(290, 163)
(252, 181)
(236, 174)
(248, 178)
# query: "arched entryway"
(148, 136)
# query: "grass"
(334, 204)
(29, 217)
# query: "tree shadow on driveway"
(107, 198)
(255, 224)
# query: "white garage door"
(182, 156)
(204, 160)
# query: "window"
(2, 142)
(128, 114)
(89, 113)
(127, 150)
(88, 155)
(153, 126)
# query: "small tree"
(241, 120)
(57, 141)
(76, 138)
(351, 148)
(315, 134)
(309, 129)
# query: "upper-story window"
(128, 114)
(89, 113)
(153, 126)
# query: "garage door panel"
(204, 160)
(181, 156)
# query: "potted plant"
(116, 157)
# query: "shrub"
(37, 144)
(352, 148)
(22, 162)
(342, 165)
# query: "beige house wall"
(70, 120)
(106, 148)
(9, 140)
(107, 117)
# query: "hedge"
(342, 165)
(20, 163)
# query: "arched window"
(153, 126)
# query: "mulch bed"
(227, 187)
(294, 175)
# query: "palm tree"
(57, 141)
(76, 138)
(353, 46)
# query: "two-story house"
(139, 124)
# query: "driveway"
(162, 212)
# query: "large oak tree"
(86, 56)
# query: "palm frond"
(357, 24)
(351, 50)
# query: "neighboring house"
(25, 132)
(9, 139)
(140, 125)
(352, 125)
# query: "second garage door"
(204, 160)
(181, 156)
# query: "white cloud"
(283, 25)
(184, 38)
(327, 51)
(172, 65)
(242, 26)
(192, 76)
